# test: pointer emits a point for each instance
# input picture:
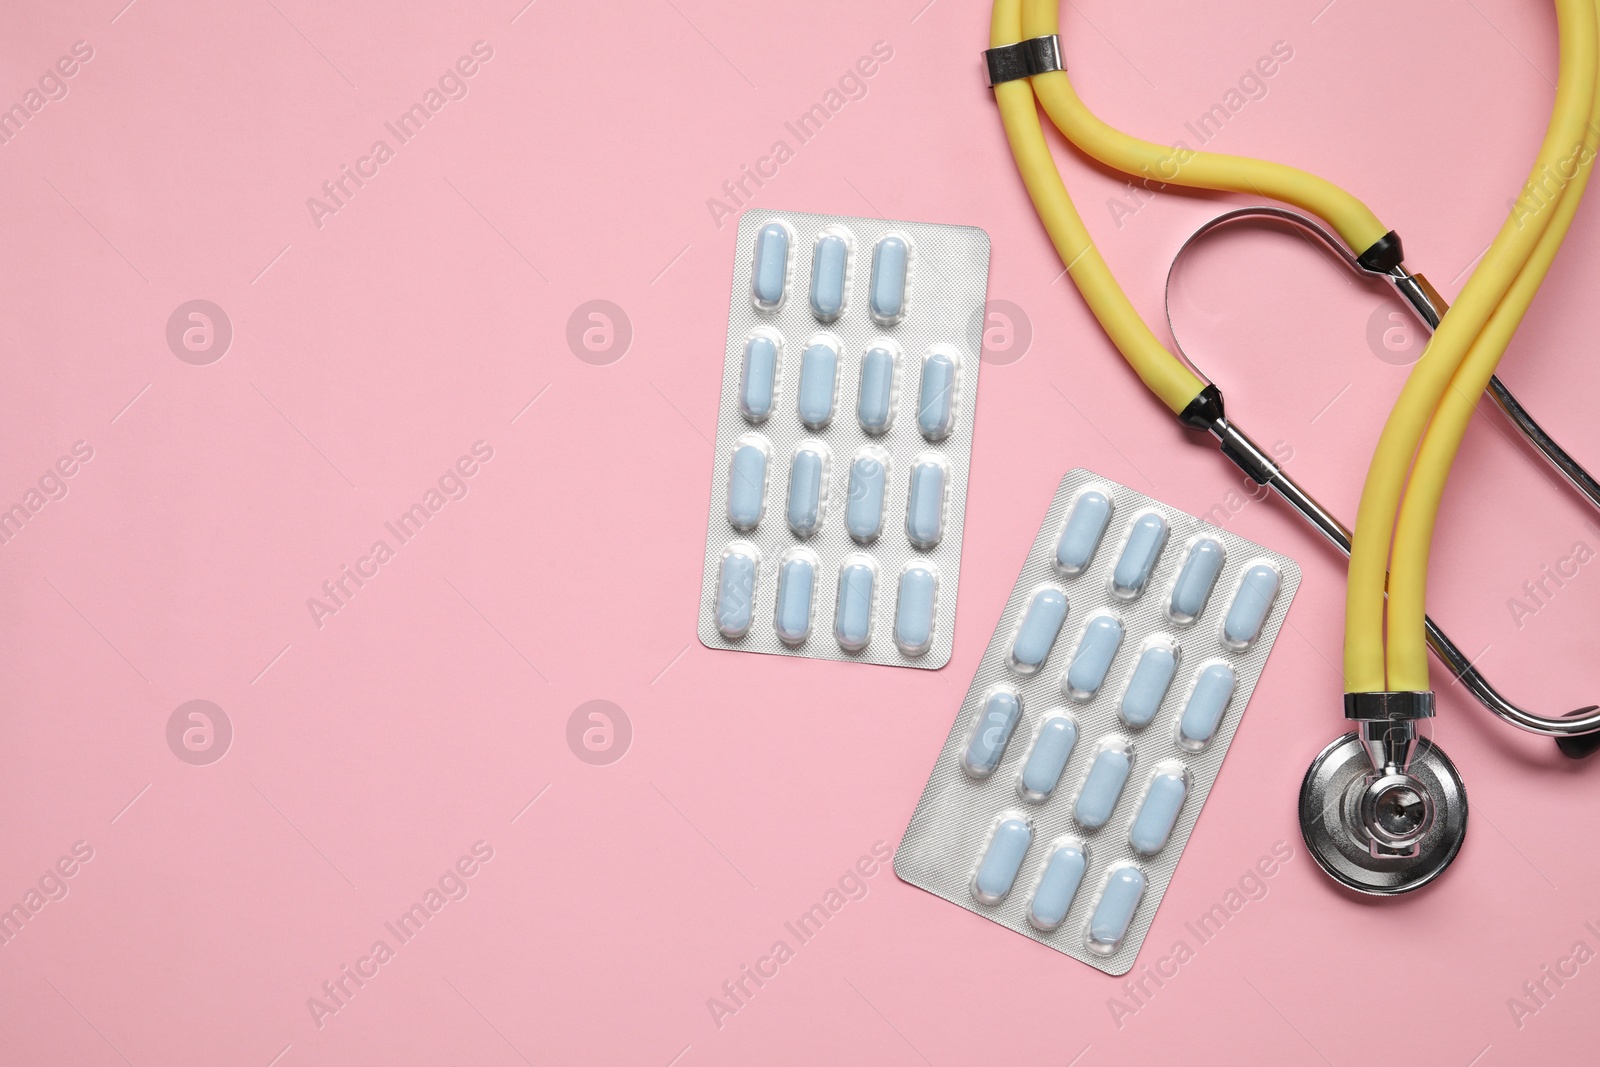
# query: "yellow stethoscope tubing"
(1462, 328)
(1350, 218)
(1167, 376)
(1407, 647)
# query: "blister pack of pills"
(844, 438)
(1098, 720)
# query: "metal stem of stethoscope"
(1250, 458)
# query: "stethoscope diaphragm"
(1351, 815)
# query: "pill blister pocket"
(844, 438)
(1097, 721)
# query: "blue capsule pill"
(736, 591)
(806, 475)
(1195, 579)
(936, 400)
(747, 486)
(992, 732)
(1139, 556)
(1057, 886)
(757, 377)
(1048, 757)
(852, 616)
(925, 509)
(796, 578)
(889, 258)
(771, 269)
(1101, 789)
(1114, 911)
(863, 513)
(913, 610)
(819, 369)
(875, 404)
(1001, 860)
(1153, 825)
(1152, 676)
(828, 261)
(1041, 622)
(1257, 590)
(1081, 534)
(1212, 691)
(1097, 648)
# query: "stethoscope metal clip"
(1382, 809)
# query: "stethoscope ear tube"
(1424, 301)
(1577, 732)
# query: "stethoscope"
(1382, 809)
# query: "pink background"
(371, 753)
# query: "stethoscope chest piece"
(1382, 832)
